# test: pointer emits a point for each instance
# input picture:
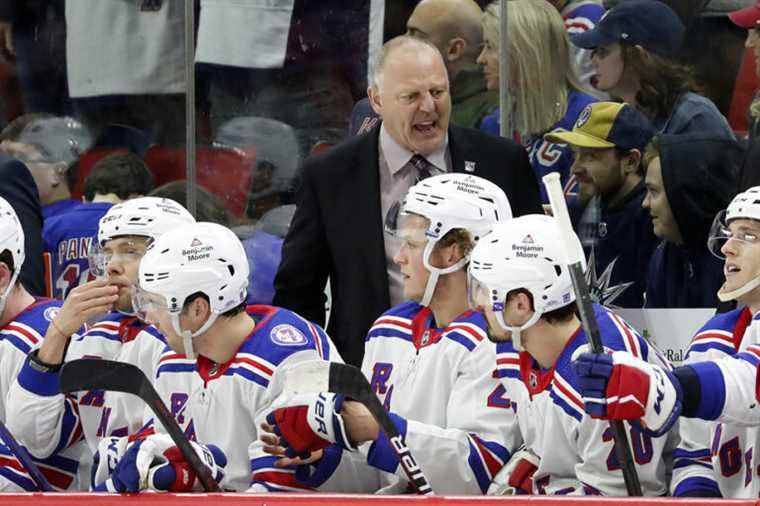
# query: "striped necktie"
(423, 167)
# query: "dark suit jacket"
(337, 230)
(19, 189)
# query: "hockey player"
(39, 414)
(717, 382)
(519, 278)
(24, 319)
(219, 372)
(428, 360)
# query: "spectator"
(453, 26)
(580, 16)
(274, 146)
(126, 64)
(117, 178)
(17, 187)
(608, 141)
(209, 207)
(263, 247)
(633, 50)
(301, 69)
(336, 231)
(68, 236)
(538, 53)
(748, 18)
(33, 36)
(50, 147)
(689, 179)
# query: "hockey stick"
(26, 460)
(94, 374)
(315, 376)
(588, 318)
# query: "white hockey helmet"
(524, 253)
(11, 239)
(450, 201)
(144, 216)
(199, 257)
(744, 205)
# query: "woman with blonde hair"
(544, 91)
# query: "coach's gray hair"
(402, 41)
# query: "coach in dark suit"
(18, 188)
(337, 231)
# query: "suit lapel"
(367, 206)
(458, 146)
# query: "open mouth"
(594, 80)
(426, 127)
(731, 269)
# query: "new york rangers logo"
(50, 313)
(287, 335)
(583, 118)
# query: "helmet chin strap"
(435, 272)
(6, 293)
(734, 294)
(187, 336)
(516, 331)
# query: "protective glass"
(148, 305)
(720, 233)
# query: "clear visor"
(407, 227)
(148, 305)
(720, 233)
(478, 294)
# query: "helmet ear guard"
(12, 240)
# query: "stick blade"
(307, 377)
(96, 374)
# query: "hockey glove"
(516, 478)
(310, 423)
(155, 463)
(619, 386)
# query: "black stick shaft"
(585, 305)
(26, 460)
(591, 328)
(348, 380)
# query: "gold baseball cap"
(606, 125)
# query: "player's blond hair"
(539, 59)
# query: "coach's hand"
(619, 386)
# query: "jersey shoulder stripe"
(566, 397)
(507, 361)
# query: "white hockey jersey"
(223, 404)
(48, 421)
(577, 452)
(440, 389)
(721, 456)
(17, 339)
